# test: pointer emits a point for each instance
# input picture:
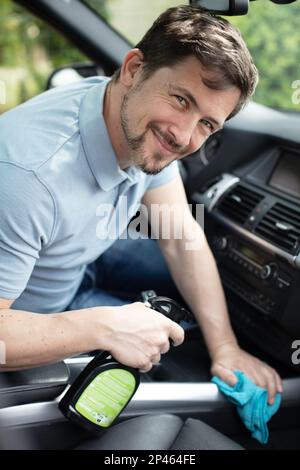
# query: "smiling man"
(164, 117)
(71, 151)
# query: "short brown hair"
(218, 45)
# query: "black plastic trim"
(33, 385)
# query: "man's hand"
(136, 335)
(229, 357)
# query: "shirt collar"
(96, 141)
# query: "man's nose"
(186, 134)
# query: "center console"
(40, 425)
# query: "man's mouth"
(162, 143)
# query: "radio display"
(249, 253)
(286, 175)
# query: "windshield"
(271, 32)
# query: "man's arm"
(196, 276)
(32, 339)
(134, 334)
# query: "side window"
(272, 35)
(132, 18)
(29, 52)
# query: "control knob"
(221, 243)
(268, 271)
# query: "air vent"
(238, 204)
(281, 226)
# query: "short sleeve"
(26, 224)
(165, 176)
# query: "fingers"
(173, 330)
(267, 378)
(142, 335)
(148, 364)
(273, 384)
(176, 334)
(225, 374)
(256, 370)
(257, 377)
(272, 389)
(278, 382)
(155, 359)
(146, 368)
(165, 347)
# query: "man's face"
(171, 114)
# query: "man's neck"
(111, 112)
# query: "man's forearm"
(32, 339)
(196, 276)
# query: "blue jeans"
(120, 274)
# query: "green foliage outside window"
(30, 50)
(272, 34)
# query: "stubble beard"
(136, 144)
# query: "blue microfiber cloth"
(252, 404)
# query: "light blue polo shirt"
(57, 173)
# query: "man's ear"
(131, 67)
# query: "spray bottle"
(105, 387)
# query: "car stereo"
(253, 275)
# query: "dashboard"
(252, 223)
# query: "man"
(70, 152)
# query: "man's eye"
(207, 124)
(181, 100)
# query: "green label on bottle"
(106, 396)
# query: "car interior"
(247, 177)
